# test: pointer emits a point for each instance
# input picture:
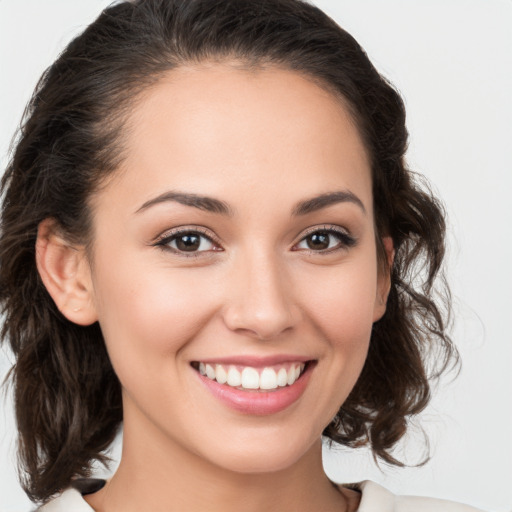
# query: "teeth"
(234, 377)
(268, 379)
(282, 377)
(291, 376)
(210, 372)
(220, 374)
(251, 378)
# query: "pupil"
(318, 241)
(188, 243)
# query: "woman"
(209, 234)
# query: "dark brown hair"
(67, 397)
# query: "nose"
(260, 300)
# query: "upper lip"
(256, 361)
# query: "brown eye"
(188, 242)
(326, 240)
(318, 241)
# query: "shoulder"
(375, 498)
(71, 500)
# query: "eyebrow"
(324, 200)
(205, 203)
(210, 204)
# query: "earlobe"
(384, 279)
(65, 273)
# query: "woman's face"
(237, 240)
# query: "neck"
(157, 473)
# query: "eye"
(187, 241)
(325, 240)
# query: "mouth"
(258, 390)
(250, 378)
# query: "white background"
(451, 60)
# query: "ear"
(65, 272)
(384, 279)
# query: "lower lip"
(259, 402)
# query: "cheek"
(340, 308)
(342, 305)
(149, 312)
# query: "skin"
(261, 142)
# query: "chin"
(263, 463)
(258, 456)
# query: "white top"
(375, 498)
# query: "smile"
(250, 378)
(261, 389)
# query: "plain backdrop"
(451, 60)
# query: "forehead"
(224, 129)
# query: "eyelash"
(346, 241)
(164, 240)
